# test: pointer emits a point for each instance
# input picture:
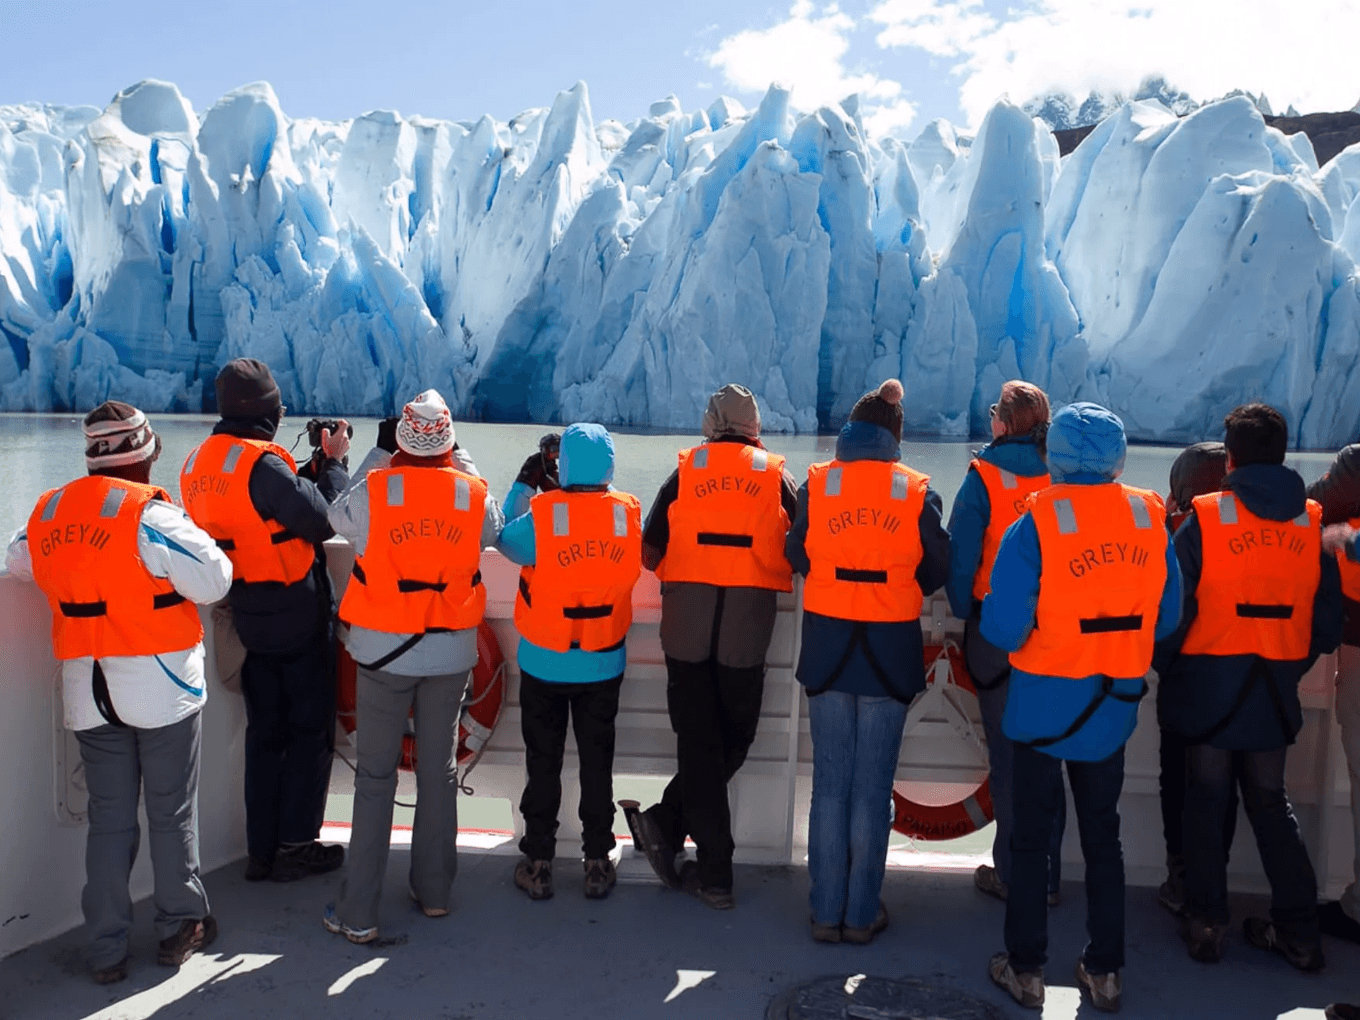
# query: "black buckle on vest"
(357, 572)
(862, 576)
(1111, 624)
(166, 600)
(83, 610)
(226, 544)
(476, 579)
(524, 593)
(408, 587)
(279, 537)
(1257, 611)
(720, 538)
(587, 612)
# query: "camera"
(318, 425)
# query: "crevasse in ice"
(553, 268)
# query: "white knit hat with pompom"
(426, 426)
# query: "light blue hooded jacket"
(1086, 446)
(586, 460)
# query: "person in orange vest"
(715, 538)
(418, 517)
(992, 498)
(868, 539)
(241, 487)
(122, 568)
(1083, 584)
(580, 547)
(1263, 601)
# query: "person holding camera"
(418, 516)
(242, 488)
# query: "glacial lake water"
(41, 451)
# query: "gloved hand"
(538, 473)
(336, 444)
(387, 434)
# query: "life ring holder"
(481, 710)
(946, 678)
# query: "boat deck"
(499, 956)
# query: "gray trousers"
(122, 764)
(383, 701)
(1348, 715)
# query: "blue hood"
(1017, 454)
(863, 440)
(587, 456)
(1272, 491)
(1085, 440)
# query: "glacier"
(553, 268)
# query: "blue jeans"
(855, 742)
(1096, 786)
(1000, 755)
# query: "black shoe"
(1304, 956)
(1203, 939)
(294, 862)
(648, 837)
(1342, 1011)
(1337, 923)
(192, 937)
(709, 895)
(257, 870)
(111, 975)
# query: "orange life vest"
(1103, 550)
(83, 542)
(864, 540)
(215, 486)
(1007, 495)
(588, 548)
(1257, 583)
(420, 567)
(727, 524)
(1350, 570)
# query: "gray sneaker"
(1104, 989)
(1025, 987)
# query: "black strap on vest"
(407, 587)
(226, 544)
(722, 538)
(1106, 691)
(167, 599)
(1259, 670)
(588, 612)
(859, 638)
(524, 592)
(1257, 611)
(99, 686)
(83, 610)
(279, 537)
(1111, 624)
(862, 576)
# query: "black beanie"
(246, 389)
(882, 407)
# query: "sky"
(909, 60)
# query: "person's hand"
(387, 434)
(336, 444)
(1335, 537)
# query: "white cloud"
(1302, 54)
(806, 53)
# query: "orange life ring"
(481, 705)
(945, 821)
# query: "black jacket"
(274, 618)
(1339, 493)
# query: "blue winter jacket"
(897, 648)
(1086, 446)
(586, 460)
(1199, 692)
(968, 522)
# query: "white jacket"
(147, 691)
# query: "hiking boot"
(257, 870)
(1104, 989)
(427, 911)
(712, 896)
(1203, 939)
(192, 937)
(1025, 987)
(863, 936)
(648, 837)
(1263, 934)
(296, 862)
(359, 936)
(111, 975)
(987, 880)
(535, 878)
(600, 877)
(825, 932)
(1342, 1011)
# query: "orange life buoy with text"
(945, 821)
(481, 704)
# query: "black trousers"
(1173, 783)
(290, 734)
(714, 712)
(544, 709)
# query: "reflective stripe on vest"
(215, 486)
(588, 553)
(1258, 579)
(83, 542)
(1007, 495)
(864, 540)
(1104, 571)
(727, 522)
(420, 568)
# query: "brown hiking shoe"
(863, 936)
(709, 895)
(1104, 989)
(192, 937)
(1262, 934)
(1025, 987)
(111, 975)
(1203, 939)
(600, 877)
(292, 863)
(535, 878)
(988, 881)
